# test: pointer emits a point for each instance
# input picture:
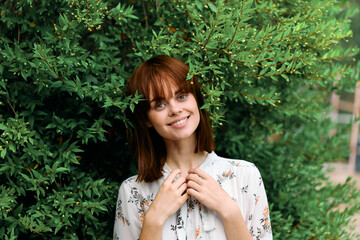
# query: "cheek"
(149, 120)
(154, 118)
(198, 117)
(196, 110)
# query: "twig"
(145, 16)
(237, 26)
(186, 4)
(11, 107)
(50, 67)
(212, 29)
(249, 96)
(18, 33)
(157, 6)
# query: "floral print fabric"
(193, 221)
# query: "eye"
(159, 106)
(182, 97)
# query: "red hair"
(157, 75)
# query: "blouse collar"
(209, 161)
(207, 216)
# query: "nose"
(174, 108)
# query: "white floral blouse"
(240, 179)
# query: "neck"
(181, 155)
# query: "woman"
(183, 190)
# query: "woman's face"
(175, 117)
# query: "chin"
(184, 136)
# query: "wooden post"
(335, 103)
(354, 130)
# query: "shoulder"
(230, 162)
(130, 180)
(129, 184)
(134, 187)
(245, 169)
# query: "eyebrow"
(156, 99)
(161, 98)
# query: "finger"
(172, 175)
(193, 185)
(199, 172)
(194, 177)
(194, 193)
(182, 189)
(178, 182)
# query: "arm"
(127, 224)
(234, 224)
(204, 188)
(259, 224)
(168, 200)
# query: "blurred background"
(346, 111)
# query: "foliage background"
(267, 68)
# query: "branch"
(145, 16)
(18, 33)
(233, 37)
(186, 4)
(51, 67)
(212, 29)
(11, 107)
(256, 98)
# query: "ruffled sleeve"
(259, 218)
(127, 222)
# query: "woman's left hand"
(206, 190)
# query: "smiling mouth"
(179, 122)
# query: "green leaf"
(212, 7)
(199, 5)
(61, 169)
(57, 84)
(25, 177)
(3, 153)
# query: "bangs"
(160, 86)
(159, 78)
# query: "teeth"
(179, 122)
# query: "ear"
(148, 124)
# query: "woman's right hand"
(170, 197)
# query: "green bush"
(266, 69)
